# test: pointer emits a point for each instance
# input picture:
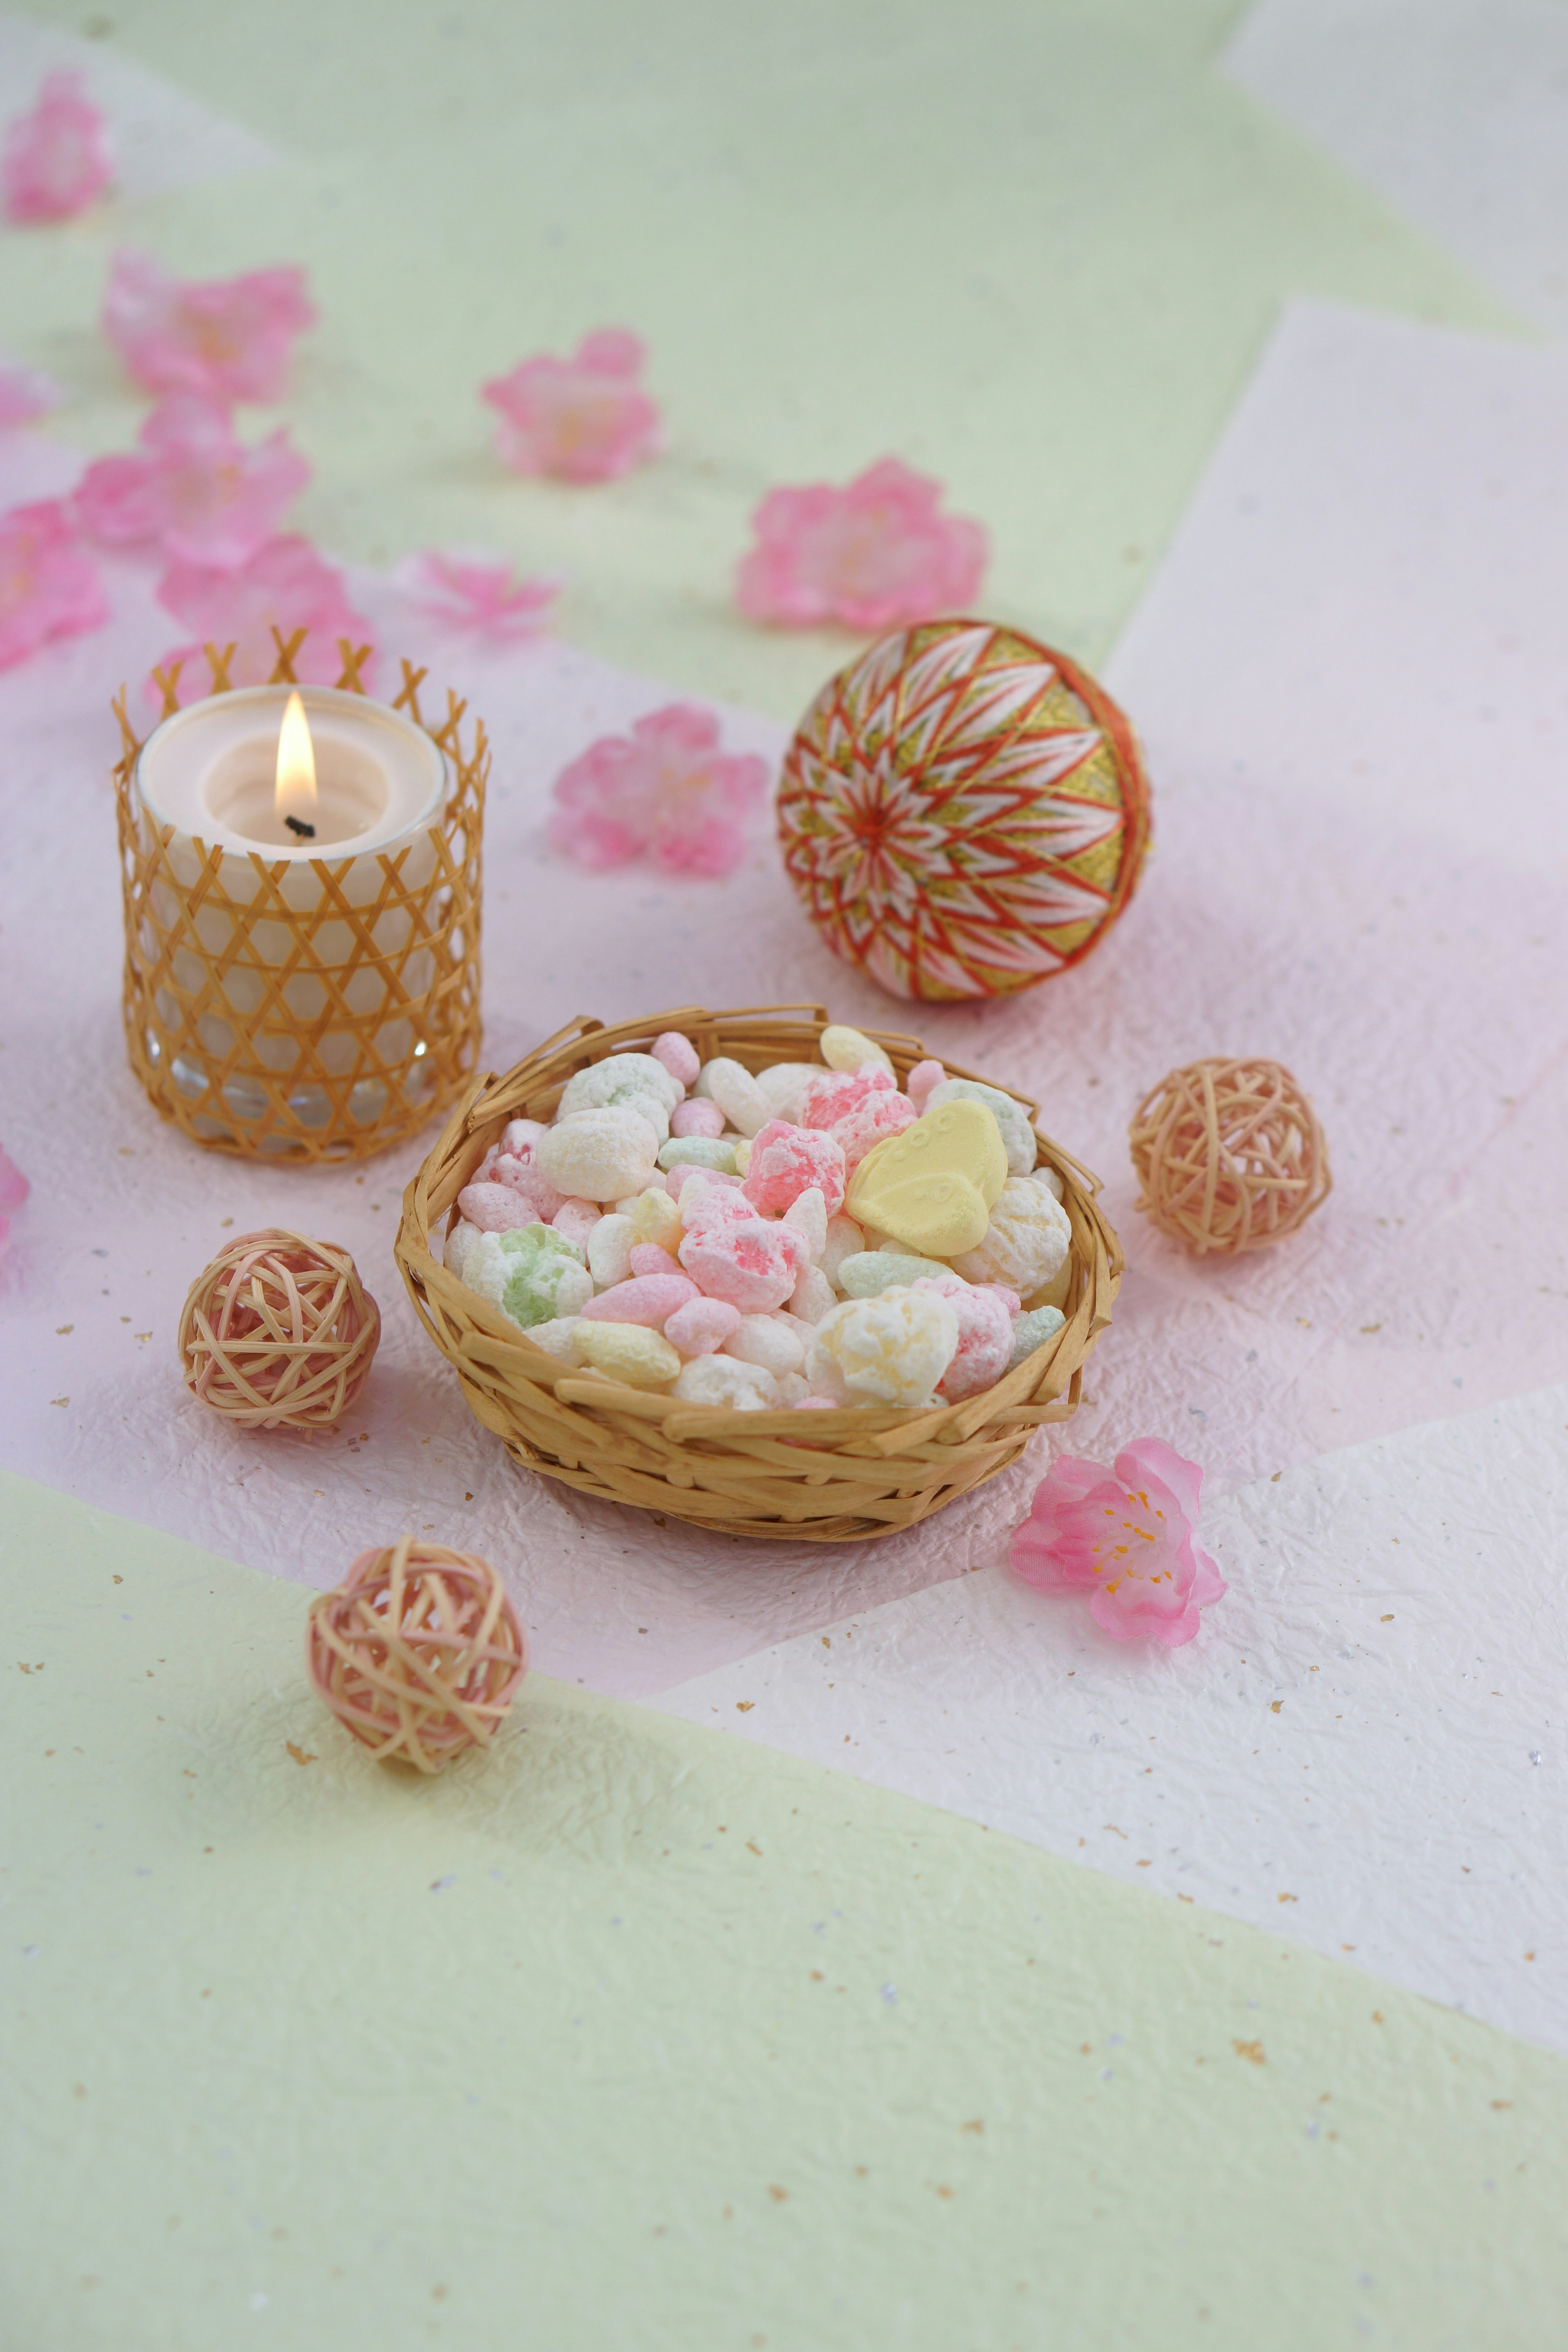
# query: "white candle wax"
(209, 772)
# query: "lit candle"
(296, 826)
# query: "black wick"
(297, 824)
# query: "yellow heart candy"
(932, 1186)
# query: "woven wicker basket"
(818, 1477)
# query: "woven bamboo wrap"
(817, 1478)
(369, 1024)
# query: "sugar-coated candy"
(599, 1155)
(576, 1220)
(890, 1350)
(1019, 1140)
(527, 1178)
(845, 1239)
(714, 1205)
(754, 1264)
(1051, 1179)
(985, 1347)
(836, 1093)
(1027, 1241)
(921, 1080)
(812, 1297)
(698, 1152)
(635, 1096)
(932, 1187)
(1031, 1330)
(788, 1161)
(814, 1404)
(767, 1339)
(701, 1326)
(725, 1380)
(657, 1218)
(628, 1351)
(808, 1211)
(532, 1274)
(495, 1208)
(590, 1088)
(650, 1298)
(698, 1115)
(609, 1248)
(742, 1157)
(850, 1049)
(647, 1257)
(737, 1094)
(678, 1055)
(787, 1086)
(871, 1273)
(520, 1137)
(558, 1339)
(861, 1130)
(460, 1239)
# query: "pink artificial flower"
(26, 394)
(584, 419)
(876, 555)
(198, 492)
(1126, 1538)
(468, 593)
(285, 585)
(231, 338)
(57, 159)
(666, 791)
(48, 587)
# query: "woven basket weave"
(817, 1478)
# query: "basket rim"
(875, 1430)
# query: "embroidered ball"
(964, 812)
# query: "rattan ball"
(278, 1332)
(1229, 1155)
(419, 1651)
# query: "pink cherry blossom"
(1126, 1538)
(875, 555)
(284, 585)
(584, 419)
(666, 791)
(197, 492)
(467, 592)
(56, 159)
(48, 587)
(26, 394)
(231, 338)
(13, 1190)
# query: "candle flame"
(294, 794)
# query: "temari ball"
(964, 812)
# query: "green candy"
(699, 1151)
(533, 1273)
(866, 1274)
(1032, 1330)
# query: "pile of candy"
(811, 1235)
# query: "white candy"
(724, 1380)
(743, 1156)
(809, 1210)
(850, 1049)
(813, 1296)
(766, 1339)
(1050, 1179)
(610, 1251)
(592, 1088)
(459, 1242)
(559, 1338)
(1018, 1136)
(787, 1086)
(889, 1350)
(792, 1386)
(1026, 1244)
(518, 1136)
(737, 1094)
(845, 1239)
(599, 1155)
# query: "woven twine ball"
(419, 1651)
(963, 812)
(278, 1332)
(1229, 1155)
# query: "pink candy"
(839, 1092)
(789, 1160)
(921, 1080)
(496, 1208)
(701, 1326)
(528, 1182)
(520, 1137)
(576, 1220)
(697, 1117)
(879, 1115)
(984, 1335)
(708, 1205)
(752, 1264)
(678, 1055)
(647, 1257)
(647, 1298)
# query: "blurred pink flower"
(1126, 1539)
(231, 338)
(198, 492)
(48, 587)
(468, 593)
(285, 584)
(26, 394)
(584, 419)
(13, 1190)
(665, 791)
(875, 555)
(58, 158)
